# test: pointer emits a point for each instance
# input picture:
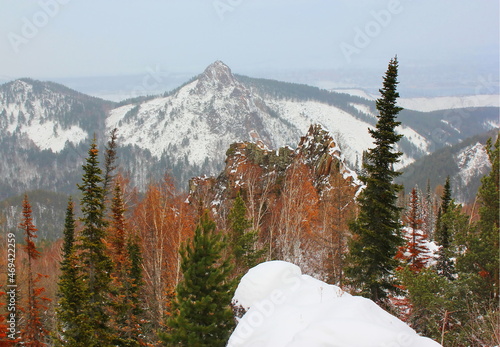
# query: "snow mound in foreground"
(286, 308)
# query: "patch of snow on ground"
(415, 138)
(364, 109)
(287, 308)
(50, 135)
(117, 114)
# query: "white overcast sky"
(82, 38)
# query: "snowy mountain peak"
(20, 86)
(217, 75)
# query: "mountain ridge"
(187, 131)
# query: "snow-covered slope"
(204, 117)
(200, 120)
(36, 118)
(286, 308)
(45, 129)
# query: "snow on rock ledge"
(285, 308)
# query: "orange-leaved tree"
(33, 332)
(162, 220)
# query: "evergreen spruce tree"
(202, 315)
(117, 234)
(109, 161)
(72, 325)
(126, 277)
(242, 240)
(92, 254)
(136, 282)
(443, 237)
(376, 231)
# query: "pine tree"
(92, 255)
(428, 212)
(202, 313)
(242, 240)
(117, 233)
(376, 231)
(134, 286)
(72, 325)
(443, 237)
(34, 332)
(126, 276)
(109, 161)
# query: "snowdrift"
(286, 308)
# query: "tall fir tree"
(202, 315)
(134, 292)
(376, 231)
(443, 237)
(92, 254)
(243, 241)
(110, 157)
(117, 233)
(126, 277)
(71, 323)
(34, 332)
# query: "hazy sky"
(78, 38)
